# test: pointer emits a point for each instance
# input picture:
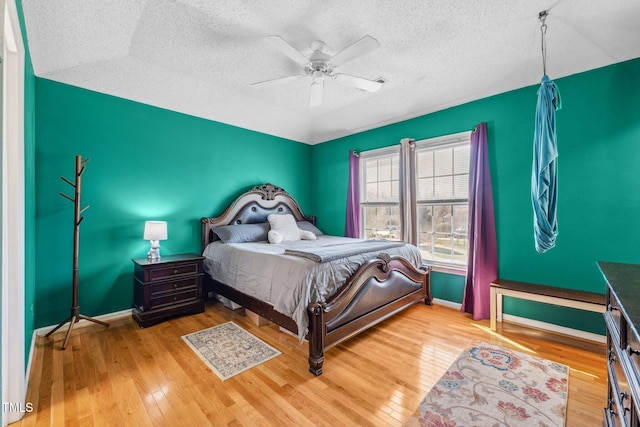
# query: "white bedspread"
(288, 282)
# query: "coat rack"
(75, 308)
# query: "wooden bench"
(582, 300)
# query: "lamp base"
(154, 252)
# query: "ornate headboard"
(253, 207)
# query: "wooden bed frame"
(380, 288)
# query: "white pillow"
(284, 228)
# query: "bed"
(369, 287)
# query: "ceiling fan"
(320, 66)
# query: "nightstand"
(167, 287)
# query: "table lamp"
(154, 231)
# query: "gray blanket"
(343, 250)
(289, 283)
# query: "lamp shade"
(155, 230)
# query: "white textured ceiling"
(199, 57)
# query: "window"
(442, 186)
(379, 200)
(442, 197)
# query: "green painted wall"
(146, 163)
(29, 197)
(599, 181)
(448, 287)
(149, 163)
(29, 204)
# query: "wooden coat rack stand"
(75, 308)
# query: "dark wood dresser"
(623, 354)
(170, 286)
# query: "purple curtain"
(352, 223)
(482, 268)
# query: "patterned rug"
(228, 349)
(492, 386)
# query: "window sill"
(448, 269)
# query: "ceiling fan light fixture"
(315, 94)
(320, 65)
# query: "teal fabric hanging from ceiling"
(544, 181)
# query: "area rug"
(492, 386)
(229, 350)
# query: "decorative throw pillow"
(284, 228)
(306, 225)
(240, 233)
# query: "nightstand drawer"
(177, 285)
(168, 287)
(173, 298)
(159, 273)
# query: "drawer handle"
(631, 351)
(612, 307)
(175, 298)
(175, 271)
(175, 285)
(624, 395)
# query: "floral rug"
(229, 350)
(492, 386)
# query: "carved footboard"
(380, 288)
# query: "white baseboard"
(447, 303)
(589, 336)
(576, 333)
(83, 323)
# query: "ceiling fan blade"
(277, 81)
(364, 45)
(358, 82)
(287, 49)
(315, 96)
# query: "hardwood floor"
(125, 375)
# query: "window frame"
(380, 153)
(428, 144)
(433, 144)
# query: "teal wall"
(598, 174)
(149, 163)
(449, 287)
(29, 182)
(30, 203)
(146, 163)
